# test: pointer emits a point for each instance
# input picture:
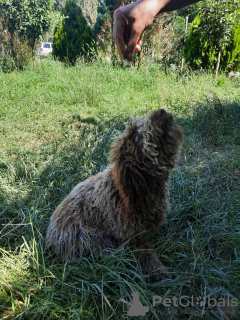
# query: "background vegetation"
(57, 125)
(201, 36)
(214, 37)
(73, 37)
(22, 25)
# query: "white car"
(45, 48)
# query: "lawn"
(56, 129)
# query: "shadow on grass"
(216, 121)
(198, 243)
(82, 152)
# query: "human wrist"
(152, 7)
(160, 6)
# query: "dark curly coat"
(127, 198)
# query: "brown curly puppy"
(128, 198)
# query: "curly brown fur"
(127, 198)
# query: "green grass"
(56, 129)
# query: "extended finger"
(118, 31)
(133, 45)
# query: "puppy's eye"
(136, 138)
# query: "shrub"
(15, 53)
(73, 38)
(236, 50)
(199, 52)
(7, 63)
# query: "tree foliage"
(213, 35)
(236, 48)
(22, 24)
(103, 14)
(15, 53)
(89, 8)
(29, 18)
(190, 11)
(73, 38)
(218, 18)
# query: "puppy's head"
(146, 150)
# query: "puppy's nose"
(161, 112)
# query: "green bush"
(16, 53)
(7, 63)
(236, 50)
(200, 53)
(73, 38)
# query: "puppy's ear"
(132, 186)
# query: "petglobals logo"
(136, 308)
(190, 301)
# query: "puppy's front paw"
(159, 274)
(152, 266)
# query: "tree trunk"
(186, 26)
(113, 58)
(32, 45)
(218, 62)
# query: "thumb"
(131, 47)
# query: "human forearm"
(171, 5)
(155, 7)
(148, 9)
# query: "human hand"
(130, 22)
